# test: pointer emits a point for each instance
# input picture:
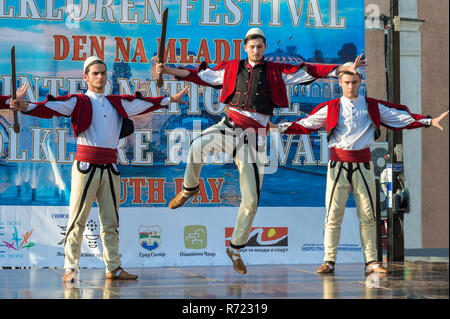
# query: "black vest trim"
(252, 91)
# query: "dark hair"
(253, 37)
(86, 71)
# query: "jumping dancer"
(251, 89)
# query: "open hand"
(178, 98)
(359, 62)
(435, 121)
(353, 67)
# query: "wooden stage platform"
(417, 279)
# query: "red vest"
(274, 78)
(333, 112)
(81, 116)
(3, 99)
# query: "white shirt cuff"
(284, 126)
(332, 74)
(31, 106)
(426, 121)
(165, 101)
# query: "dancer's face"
(96, 78)
(255, 49)
(350, 85)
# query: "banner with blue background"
(52, 38)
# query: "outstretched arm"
(137, 105)
(202, 76)
(307, 73)
(316, 120)
(59, 106)
(399, 117)
(161, 68)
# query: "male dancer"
(98, 122)
(251, 89)
(353, 123)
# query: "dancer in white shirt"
(251, 89)
(353, 123)
(98, 122)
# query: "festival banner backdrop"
(52, 38)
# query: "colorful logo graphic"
(195, 236)
(150, 237)
(15, 242)
(262, 236)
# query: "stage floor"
(415, 279)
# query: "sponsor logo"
(63, 230)
(92, 238)
(61, 219)
(60, 216)
(91, 234)
(195, 237)
(262, 236)
(150, 237)
(14, 239)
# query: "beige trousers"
(249, 158)
(343, 178)
(90, 182)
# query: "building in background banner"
(53, 38)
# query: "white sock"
(235, 251)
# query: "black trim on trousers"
(237, 246)
(190, 189)
(226, 122)
(83, 199)
(368, 192)
(350, 171)
(333, 189)
(111, 187)
(208, 133)
(258, 190)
